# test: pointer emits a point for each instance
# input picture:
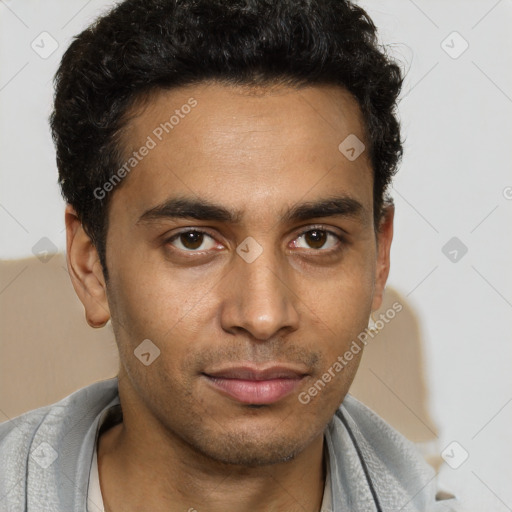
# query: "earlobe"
(384, 239)
(85, 271)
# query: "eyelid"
(320, 227)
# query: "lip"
(252, 385)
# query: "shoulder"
(16, 430)
(31, 440)
(396, 470)
(382, 438)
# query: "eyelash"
(334, 250)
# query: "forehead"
(224, 108)
(267, 143)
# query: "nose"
(258, 298)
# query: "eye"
(317, 238)
(192, 240)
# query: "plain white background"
(455, 181)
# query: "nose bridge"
(261, 277)
(258, 297)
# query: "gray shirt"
(46, 457)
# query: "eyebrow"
(204, 210)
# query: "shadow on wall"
(49, 351)
(391, 378)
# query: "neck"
(148, 469)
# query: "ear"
(85, 271)
(384, 238)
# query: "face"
(242, 245)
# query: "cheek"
(152, 299)
(340, 315)
(342, 301)
(158, 305)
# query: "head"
(226, 170)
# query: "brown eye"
(321, 240)
(191, 241)
(316, 238)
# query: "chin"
(253, 456)
(252, 449)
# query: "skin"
(182, 444)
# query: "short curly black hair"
(140, 46)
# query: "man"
(225, 168)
